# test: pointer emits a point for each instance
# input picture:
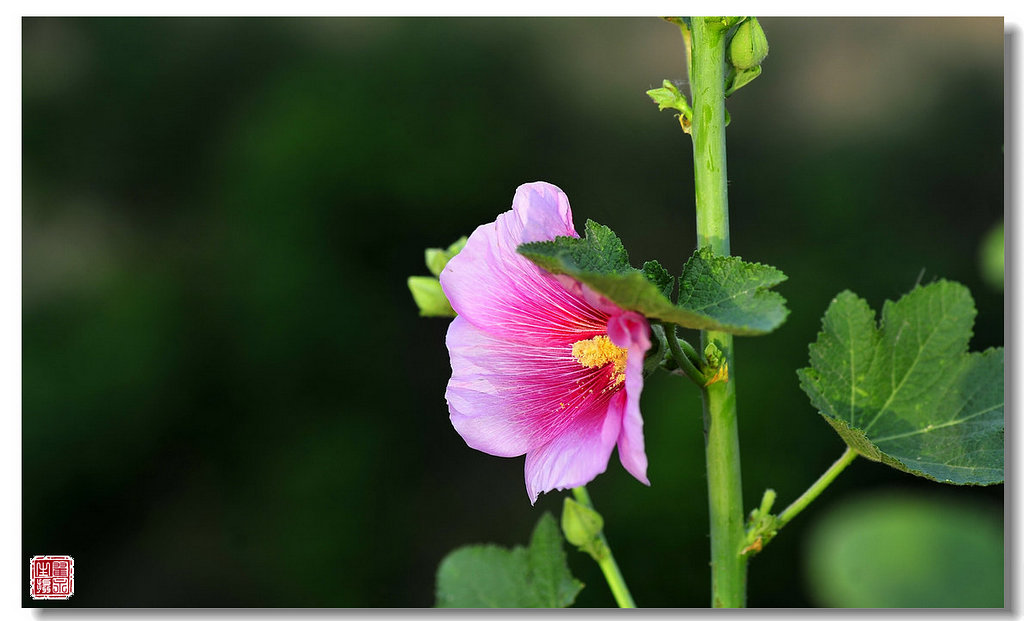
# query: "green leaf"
(429, 297)
(733, 293)
(715, 293)
(900, 551)
(907, 393)
(490, 576)
(658, 275)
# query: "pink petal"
(588, 295)
(631, 332)
(516, 386)
(542, 213)
(578, 455)
(503, 292)
(506, 398)
(479, 410)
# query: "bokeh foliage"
(229, 397)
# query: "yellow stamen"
(599, 351)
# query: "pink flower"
(541, 364)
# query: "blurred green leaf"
(908, 394)
(991, 257)
(429, 297)
(437, 258)
(906, 552)
(715, 293)
(490, 576)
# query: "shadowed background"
(229, 398)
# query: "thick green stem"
(725, 492)
(606, 561)
(814, 490)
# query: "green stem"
(725, 492)
(606, 562)
(690, 352)
(683, 358)
(814, 490)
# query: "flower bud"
(716, 364)
(582, 526)
(749, 46)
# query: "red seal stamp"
(51, 577)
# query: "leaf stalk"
(816, 488)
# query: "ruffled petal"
(631, 332)
(579, 454)
(502, 292)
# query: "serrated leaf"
(491, 576)
(715, 293)
(733, 292)
(907, 393)
(658, 275)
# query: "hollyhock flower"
(541, 365)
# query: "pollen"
(600, 351)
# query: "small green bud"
(714, 356)
(582, 527)
(762, 526)
(717, 369)
(749, 46)
(429, 297)
(437, 258)
(767, 501)
(668, 97)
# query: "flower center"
(599, 351)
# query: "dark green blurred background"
(229, 398)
